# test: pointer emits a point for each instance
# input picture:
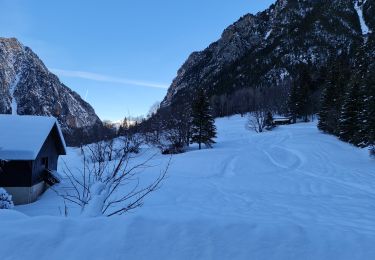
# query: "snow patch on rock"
(12, 89)
(359, 8)
(268, 34)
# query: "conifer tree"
(300, 95)
(333, 94)
(350, 115)
(370, 120)
(124, 127)
(354, 116)
(305, 84)
(269, 121)
(362, 72)
(327, 116)
(293, 103)
(203, 128)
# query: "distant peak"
(11, 43)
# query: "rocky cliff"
(265, 49)
(28, 88)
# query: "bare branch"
(109, 166)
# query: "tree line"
(341, 93)
(348, 100)
(173, 128)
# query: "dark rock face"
(28, 88)
(265, 49)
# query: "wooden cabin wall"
(49, 150)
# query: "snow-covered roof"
(22, 137)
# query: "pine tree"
(333, 94)
(327, 116)
(354, 116)
(269, 121)
(370, 120)
(293, 104)
(360, 138)
(362, 65)
(350, 115)
(203, 125)
(124, 127)
(305, 84)
(300, 96)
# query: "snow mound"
(7, 215)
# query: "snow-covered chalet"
(29, 151)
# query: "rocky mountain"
(28, 88)
(266, 49)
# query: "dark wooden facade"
(282, 121)
(16, 174)
(28, 173)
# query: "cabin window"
(45, 162)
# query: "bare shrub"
(261, 116)
(110, 181)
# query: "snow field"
(293, 193)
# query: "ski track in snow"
(292, 193)
(12, 89)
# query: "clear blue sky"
(120, 55)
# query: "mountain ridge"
(265, 49)
(29, 88)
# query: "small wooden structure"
(282, 121)
(29, 151)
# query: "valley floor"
(293, 193)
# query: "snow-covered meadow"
(293, 193)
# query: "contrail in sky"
(106, 78)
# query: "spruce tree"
(124, 127)
(354, 116)
(293, 103)
(350, 115)
(269, 121)
(362, 64)
(305, 85)
(202, 122)
(326, 115)
(300, 95)
(370, 104)
(333, 94)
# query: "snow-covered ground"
(292, 193)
